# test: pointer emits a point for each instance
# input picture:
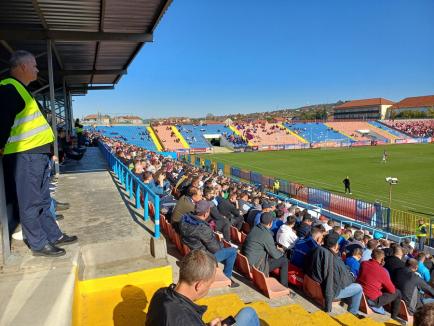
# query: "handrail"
(134, 187)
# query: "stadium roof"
(415, 102)
(93, 41)
(365, 102)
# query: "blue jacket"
(301, 248)
(354, 265)
(423, 271)
(158, 190)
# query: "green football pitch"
(325, 169)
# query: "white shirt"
(286, 236)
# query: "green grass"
(325, 169)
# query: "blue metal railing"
(134, 187)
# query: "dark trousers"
(223, 226)
(394, 299)
(281, 263)
(30, 182)
(237, 221)
(347, 188)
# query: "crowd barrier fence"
(135, 188)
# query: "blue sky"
(229, 56)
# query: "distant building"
(127, 119)
(417, 103)
(97, 119)
(373, 108)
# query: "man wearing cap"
(261, 251)
(197, 234)
(267, 206)
(327, 268)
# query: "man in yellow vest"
(25, 142)
(276, 186)
(421, 234)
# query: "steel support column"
(52, 104)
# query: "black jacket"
(303, 230)
(169, 308)
(251, 216)
(227, 208)
(410, 284)
(392, 264)
(329, 270)
(197, 234)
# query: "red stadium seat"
(235, 235)
(268, 285)
(243, 265)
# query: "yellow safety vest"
(419, 232)
(78, 130)
(276, 184)
(30, 128)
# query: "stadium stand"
(134, 135)
(386, 128)
(192, 178)
(168, 138)
(194, 134)
(414, 127)
(315, 132)
(263, 133)
(354, 129)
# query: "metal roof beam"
(73, 36)
(92, 72)
(90, 88)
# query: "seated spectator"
(305, 227)
(286, 235)
(302, 247)
(156, 187)
(267, 206)
(422, 269)
(222, 223)
(197, 234)
(227, 207)
(327, 268)
(244, 204)
(174, 305)
(395, 262)
(356, 243)
(261, 251)
(353, 262)
(412, 286)
(377, 285)
(372, 244)
(425, 315)
(185, 204)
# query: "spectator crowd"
(347, 263)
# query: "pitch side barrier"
(134, 187)
(373, 215)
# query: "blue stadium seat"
(315, 132)
(388, 129)
(194, 135)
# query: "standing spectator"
(197, 234)
(412, 286)
(377, 285)
(174, 305)
(327, 268)
(26, 148)
(421, 234)
(347, 185)
(261, 251)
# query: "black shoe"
(59, 217)
(234, 284)
(49, 251)
(62, 206)
(65, 240)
